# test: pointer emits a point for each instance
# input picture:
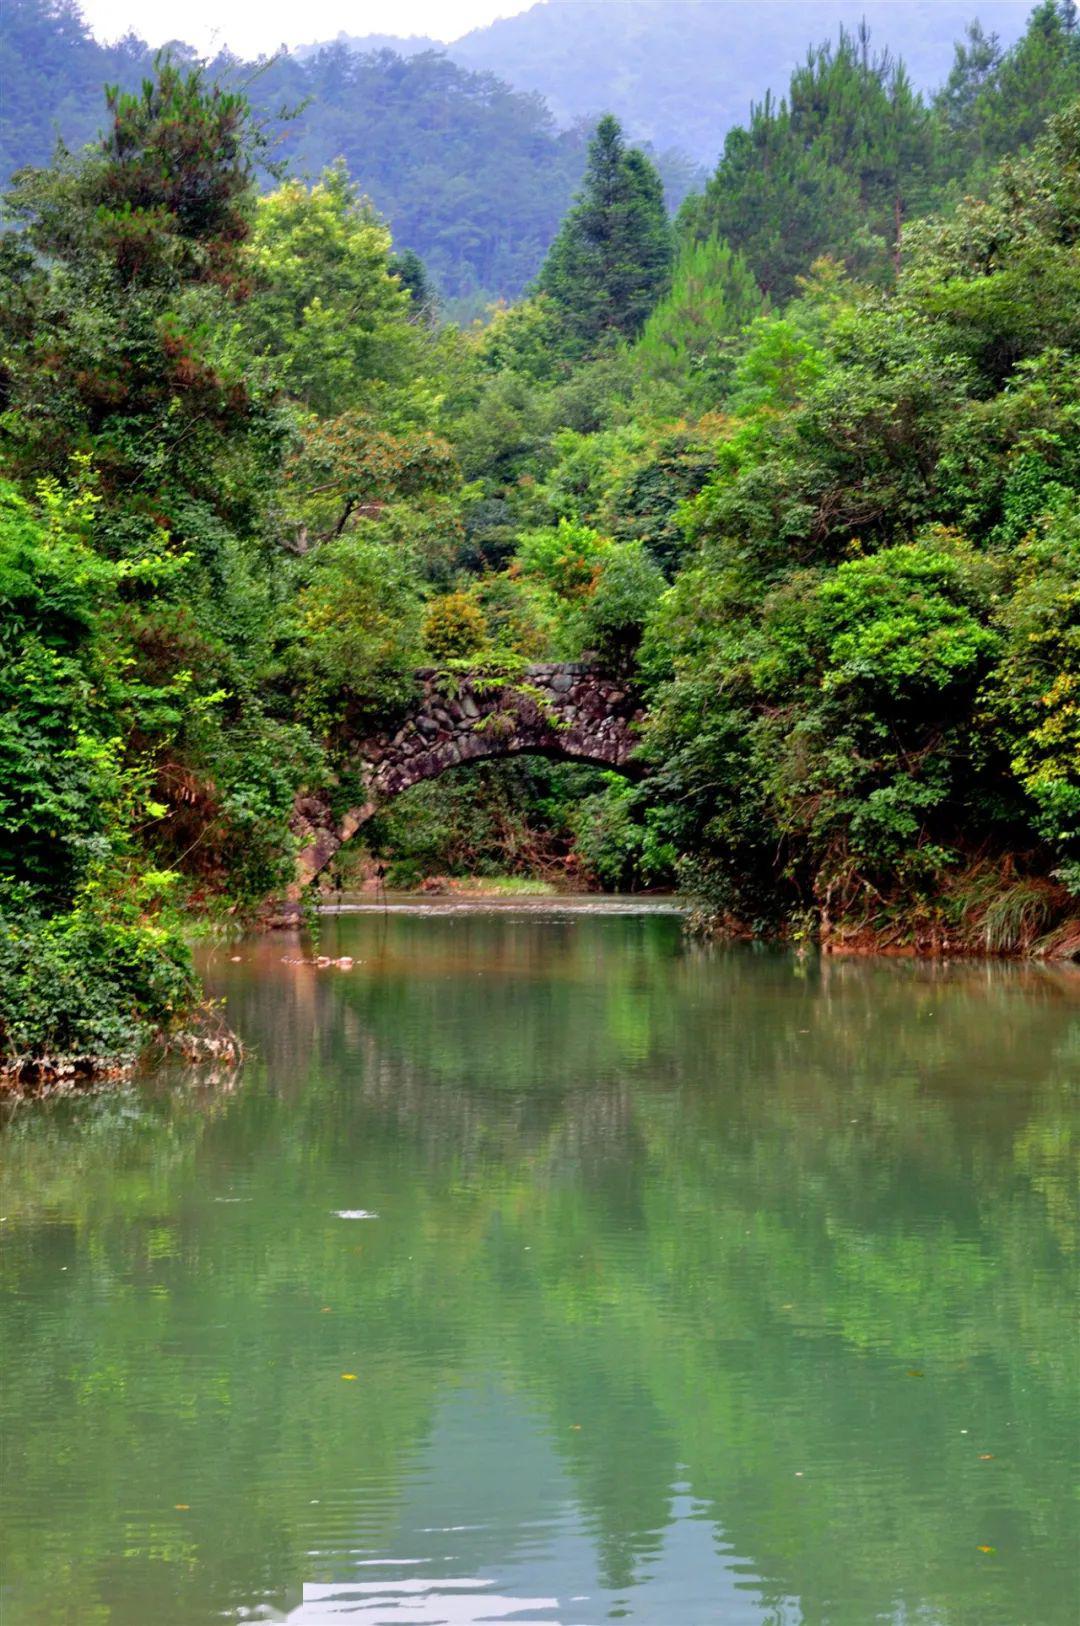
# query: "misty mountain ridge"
(681, 73)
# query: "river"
(538, 1267)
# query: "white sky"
(249, 28)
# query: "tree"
(115, 330)
(411, 272)
(872, 656)
(611, 260)
(975, 65)
(713, 296)
(349, 467)
(358, 626)
(617, 609)
(834, 169)
(331, 313)
(996, 102)
(120, 306)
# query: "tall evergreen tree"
(976, 63)
(685, 341)
(835, 168)
(611, 260)
(995, 102)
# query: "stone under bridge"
(568, 710)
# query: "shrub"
(621, 840)
(626, 592)
(566, 559)
(91, 985)
(453, 627)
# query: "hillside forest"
(472, 152)
(802, 463)
(471, 174)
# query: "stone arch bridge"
(568, 710)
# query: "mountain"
(681, 73)
(472, 175)
(52, 72)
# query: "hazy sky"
(253, 26)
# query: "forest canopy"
(815, 495)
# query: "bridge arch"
(568, 710)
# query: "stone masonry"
(571, 710)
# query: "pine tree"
(834, 169)
(998, 103)
(713, 296)
(611, 260)
(976, 63)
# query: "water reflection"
(703, 1287)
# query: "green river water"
(693, 1287)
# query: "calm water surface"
(692, 1288)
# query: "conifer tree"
(610, 262)
(976, 63)
(713, 296)
(996, 102)
(834, 169)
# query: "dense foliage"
(853, 152)
(173, 654)
(858, 689)
(823, 510)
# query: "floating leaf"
(349, 1377)
(988, 1549)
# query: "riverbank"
(985, 912)
(214, 1046)
(1010, 927)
